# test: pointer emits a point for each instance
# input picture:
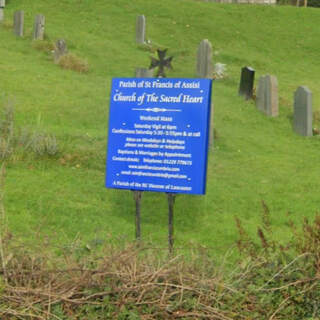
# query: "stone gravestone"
(246, 82)
(267, 96)
(2, 5)
(38, 31)
(302, 116)
(140, 29)
(205, 70)
(60, 50)
(18, 23)
(144, 73)
(204, 60)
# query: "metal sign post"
(171, 200)
(137, 194)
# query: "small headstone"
(204, 60)
(60, 50)
(38, 31)
(144, 73)
(246, 82)
(267, 96)
(260, 99)
(302, 116)
(18, 23)
(2, 5)
(140, 29)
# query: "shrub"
(37, 142)
(6, 131)
(43, 45)
(72, 62)
(314, 3)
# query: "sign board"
(158, 134)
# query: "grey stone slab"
(246, 82)
(144, 73)
(260, 97)
(272, 98)
(2, 5)
(204, 60)
(38, 30)
(141, 29)
(302, 111)
(267, 100)
(18, 23)
(60, 50)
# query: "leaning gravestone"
(302, 116)
(267, 96)
(18, 23)
(204, 60)
(140, 29)
(246, 82)
(38, 31)
(60, 50)
(143, 73)
(2, 5)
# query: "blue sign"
(158, 134)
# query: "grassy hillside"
(255, 158)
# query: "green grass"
(256, 158)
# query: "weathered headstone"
(205, 70)
(267, 96)
(260, 98)
(38, 31)
(60, 50)
(2, 5)
(18, 23)
(246, 82)
(143, 73)
(204, 60)
(302, 115)
(141, 29)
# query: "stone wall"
(244, 1)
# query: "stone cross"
(140, 29)
(60, 50)
(18, 23)
(204, 60)
(302, 113)
(38, 31)
(267, 100)
(144, 73)
(161, 63)
(2, 5)
(246, 82)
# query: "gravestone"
(143, 73)
(140, 29)
(2, 5)
(267, 100)
(302, 115)
(38, 31)
(60, 50)
(205, 70)
(204, 60)
(246, 82)
(18, 23)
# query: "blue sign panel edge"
(207, 133)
